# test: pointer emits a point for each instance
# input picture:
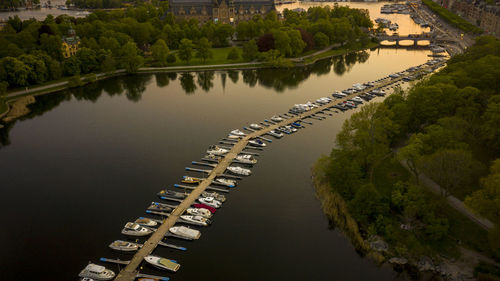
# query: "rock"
(400, 261)
(377, 244)
(425, 264)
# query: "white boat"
(96, 272)
(199, 212)
(275, 134)
(185, 232)
(226, 182)
(239, 170)
(162, 263)
(257, 142)
(124, 246)
(146, 222)
(290, 128)
(247, 159)
(210, 201)
(217, 196)
(134, 229)
(234, 137)
(237, 133)
(215, 150)
(276, 118)
(196, 220)
(255, 126)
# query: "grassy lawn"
(337, 52)
(219, 57)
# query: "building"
(224, 11)
(487, 17)
(70, 43)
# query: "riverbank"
(62, 84)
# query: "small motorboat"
(224, 181)
(185, 232)
(195, 220)
(210, 201)
(213, 157)
(239, 170)
(257, 143)
(187, 179)
(247, 159)
(134, 229)
(203, 206)
(199, 212)
(96, 272)
(277, 118)
(124, 246)
(234, 137)
(215, 150)
(171, 194)
(285, 130)
(290, 128)
(146, 222)
(237, 133)
(219, 197)
(255, 126)
(162, 263)
(155, 206)
(275, 134)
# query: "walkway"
(452, 200)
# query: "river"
(88, 160)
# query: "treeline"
(128, 38)
(12, 4)
(452, 18)
(450, 125)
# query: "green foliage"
(160, 52)
(186, 50)
(250, 50)
(3, 88)
(203, 51)
(88, 60)
(71, 66)
(75, 81)
(130, 59)
(321, 40)
(171, 58)
(234, 54)
(452, 18)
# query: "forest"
(149, 35)
(446, 127)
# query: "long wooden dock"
(129, 273)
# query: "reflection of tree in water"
(187, 83)
(249, 77)
(135, 85)
(234, 75)
(205, 80)
(363, 56)
(163, 79)
(339, 65)
(223, 78)
(92, 92)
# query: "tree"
(171, 58)
(282, 42)
(411, 154)
(265, 42)
(51, 44)
(108, 64)
(130, 58)
(204, 51)
(233, 54)
(486, 201)
(38, 71)
(250, 50)
(222, 33)
(14, 71)
(185, 52)
(88, 60)
(296, 44)
(71, 66)
(160, 52)
(321, 40)
(451, 169)
(4, 85)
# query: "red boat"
(199, 205)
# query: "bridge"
(415, 38)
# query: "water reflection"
(133, 86)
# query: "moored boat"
(239, 170)
(247, 159)
(171, 194)
(215, 150)
(256, 142)
(224, 181)
(210, 201)
(134, 229)
(199, 212)
(97, 272)
(203, 206)
(219, 197)
(275, 134)
(277, 118)
(155, 206)
(185, 232)
(146, 222)
(124, 246)
(195, 220)
(237, 132)
(162, 263)
(187, 179)
(255, 126)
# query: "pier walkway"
(129, 273)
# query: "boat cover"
(200, 205)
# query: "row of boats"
(200, 214)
